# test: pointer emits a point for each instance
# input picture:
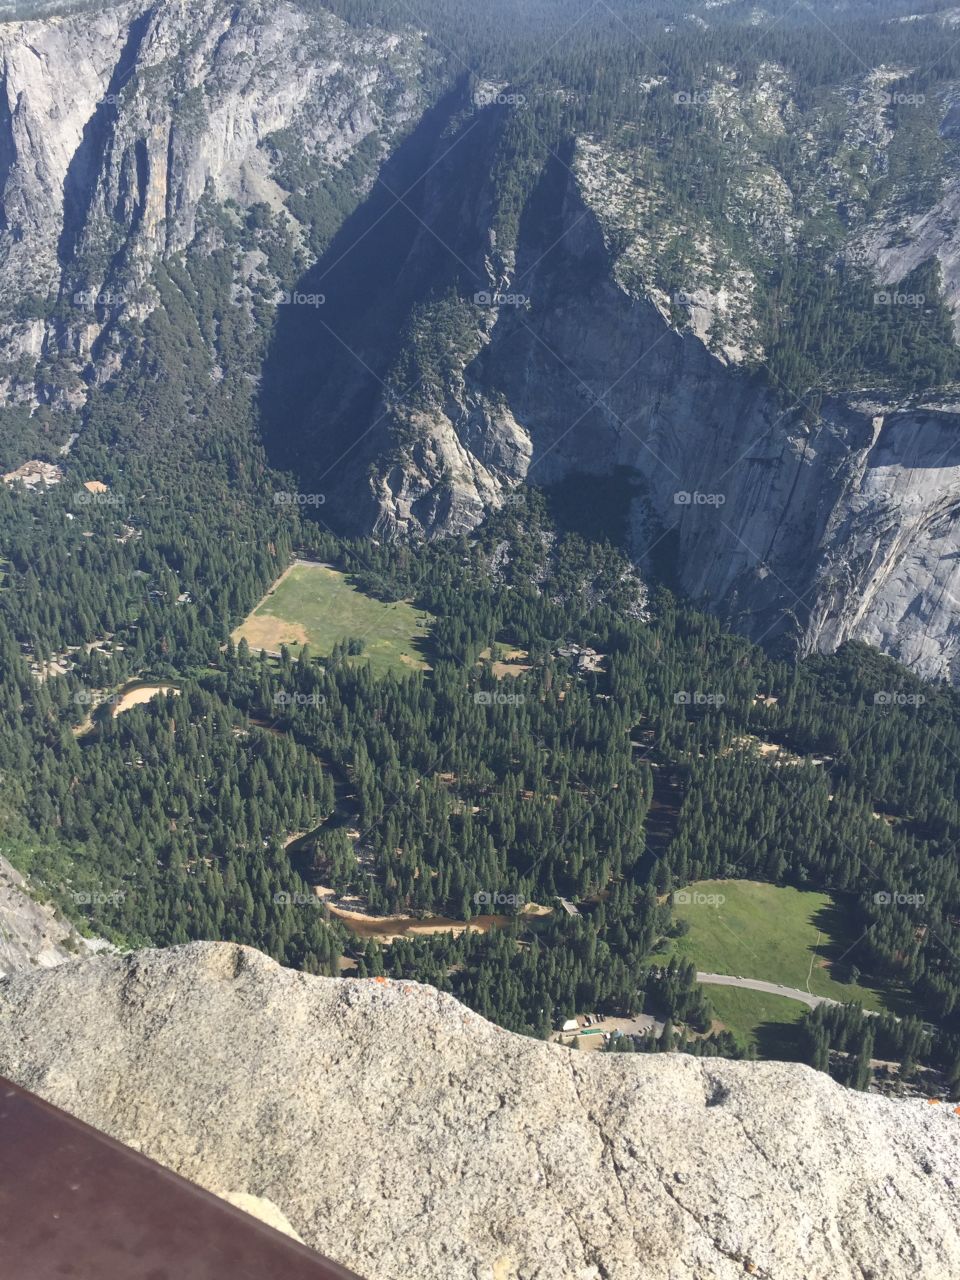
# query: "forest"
(215, 811)
(182, 808)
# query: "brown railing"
(76, 1205)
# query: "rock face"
(116, 126)
(488, 332)
(33, 934)
(404, 1136)
(813, 529)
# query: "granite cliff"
(481, 323)
(812, 527)
(401, 1134)
(119, 125)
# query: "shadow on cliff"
(86, 164)
(334, 345)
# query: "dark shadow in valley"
(781, 1041)
(595, 506)
(335, 344)
(837, 945)
(840, 948)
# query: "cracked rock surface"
(403, 1135)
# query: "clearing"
(792, 937)
(766, 1022)
(387, 928)
(511, 662)
(137, 694)
(316, 605)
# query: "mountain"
(400, 1134)
(732, 277)
(729, 272)
(435, 300)
(122, 127)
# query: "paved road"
(770, 988)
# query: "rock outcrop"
(493, 327)
(806, 528)
(118, 126)
(403, 1135)
(33, 934)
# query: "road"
(770, 988)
